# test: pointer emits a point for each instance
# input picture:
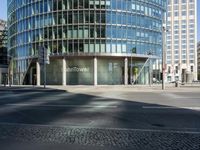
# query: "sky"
(3, 14)
(3, 9)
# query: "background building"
(198, 57)
(3, 52)
(182, 40)
(89, 41)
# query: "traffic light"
(43, 56)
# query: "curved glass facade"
(74, 27)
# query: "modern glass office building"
(88, 41)
(3, 53)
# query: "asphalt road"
(99, 119)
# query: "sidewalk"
(127, 88)
(107, 88)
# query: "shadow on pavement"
(54, 109)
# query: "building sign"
(78, 69)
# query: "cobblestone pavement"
(105, 138)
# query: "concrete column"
(38, 73)
(64, 72)
(126, 71)
(95, 71)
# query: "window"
(192, 68)
(176, 32)
(191, 21)
(176, 1)
(176, 22)
(183, 56)
(168, 61)
(183, 36)
(176, 57)
(191, 12)
(176, 61)
(176, 69)
(176, 52)
(183, 21)
(176, 42)
(176, 13)
(176, 7)
(183, 31)
(169, 69)
(168, 57)
(191, 46)
(183, 6)
(183, 46)
(191, 56)
(168, 78)
(183, 41)
(184, 26)
(183, 51)
(191, 26)
(191, 6)
(184, 13)
(176, 47)
(191, 51)
(184, 61)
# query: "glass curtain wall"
(72, 27)
(80, 71)
(110, 71)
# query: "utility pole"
(163, 57)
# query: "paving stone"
(119, 138)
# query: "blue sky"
(3, 13)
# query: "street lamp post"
(163, 57)
(131, 78)
(19, 76)
(150, 68)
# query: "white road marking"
(81, 106)
(169, 107)
(107, 128)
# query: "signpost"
(43, 60)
